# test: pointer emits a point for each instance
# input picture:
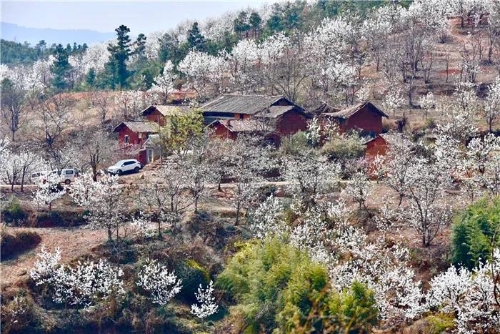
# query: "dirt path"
(73, 242)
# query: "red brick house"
(376, 146)
(231, 128)
(280, 116)
(161, 113)
(132, 137)
(364, 117)
(135, 133)
(286, 120)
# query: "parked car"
(37, 177)
(123, 166)
(68, 175)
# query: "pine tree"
(195, 39)
(61, 69)
(120, 53)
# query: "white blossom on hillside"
(164, 82)
(205, 298)
(470, 295)
(48, 190)
(45, 266)
(159, 282)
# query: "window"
(140, 135)
(69, 172)
(127, 138)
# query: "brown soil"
(73, 242)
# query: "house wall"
(366, 120)
(378, 146)
(221, 131)
(157, 117)
(142, 157)
(290, 123)
(133, 136)
(241, 116)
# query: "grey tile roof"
(275, 111)
(249, 125)
(240, 104)
(165, 110)
(323, 108)
(140, 127)
(348, 112)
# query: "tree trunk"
(238, 209)
(110, 235)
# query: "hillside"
(303, 209)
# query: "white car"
(66, 175)
(123, 166)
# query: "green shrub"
(476, 232)
(278, 287)
(13, 213)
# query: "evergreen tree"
(120, 53)
(241, 26)
(476, 233)
(255, 21)
(195, 39)
(140, 47)
(61, 69)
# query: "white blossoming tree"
(206, 300)
(48, 190)
(164, 82)
(159, 282)
(82, 285)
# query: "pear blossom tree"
(399, 160)
(427, 102)
(204, 73)
(80, 285)
(243, 64)
(48, 190)
(205, 298)
(309, 177)
(247, 160)
(472, 296)
(359, 188)
(158, 281)
(492, 104)
(104, 200)
(164, 83)
(12, 169)
(198, 167)
(483, 162)
(167, 199)
(267, 219)
(131, 102)
(426, 211)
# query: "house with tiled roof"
(231, 128)
(162, 113)
(278, 113)
(364, 117)
(135, 133)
